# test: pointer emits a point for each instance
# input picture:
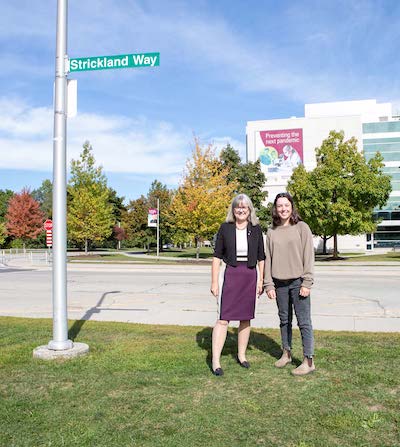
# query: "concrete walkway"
(354, 297)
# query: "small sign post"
(153, 220)
(48, 226)
(49, 238)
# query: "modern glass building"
(384, 136)
(281, 144)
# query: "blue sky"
(223, 63)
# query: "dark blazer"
(225, 245)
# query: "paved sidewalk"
(357, 297)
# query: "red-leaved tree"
(24, 218)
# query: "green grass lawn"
(205, 252)
(391, 256)
(354, 257)
(117, 258)
(151, 386)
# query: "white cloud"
(304, 68)
(322, 54)
(120, 144)
(18, 119)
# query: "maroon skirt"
(238, 298)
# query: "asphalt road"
(356, 298)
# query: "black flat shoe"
(218, 372)
(244, 364)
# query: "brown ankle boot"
(305, 368)
(285, 359)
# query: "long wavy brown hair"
(294, 218)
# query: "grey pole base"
(44, 353)
(60, 345)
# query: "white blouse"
(241, 242)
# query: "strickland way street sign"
(110, 62)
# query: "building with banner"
(282, 144)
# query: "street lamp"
(60, 345)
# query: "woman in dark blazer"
(240, 245)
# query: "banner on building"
(279, 151)
(152, 217)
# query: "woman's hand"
(271, 294)
(214, 289)
(304, 291)
(260, 287)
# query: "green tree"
(134, 221)
(44, 195)
(249, 179)
(118, 208)
(231, 160)
(135, 218)
(117, 203)
(338, 197)
(201, 201)
(90, 213)
(5, 196)
(3, 233)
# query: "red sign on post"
(49, 238)
(48, 225)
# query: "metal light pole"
(60, 325)
(60, 346)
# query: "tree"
(44, 195)
(134, 221)
(118, 234)
(118, 208)
(250, 180)
(339, 195)
(117, 204)
(90, 213)
(24, 218)
(5, 196)
(200, 203)
(135, 218)
(3, 233)
(231, 160)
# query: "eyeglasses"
(242, 208)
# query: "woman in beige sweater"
(289, 277)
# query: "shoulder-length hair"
(294, 218)
(242, 198)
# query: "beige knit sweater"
(290, 254)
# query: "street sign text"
(110, 62)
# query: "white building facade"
(281, 144)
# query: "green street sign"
(111, 62)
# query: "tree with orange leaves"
(200, 204)
(24, 218)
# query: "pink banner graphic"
(281, 150)
(152, 217)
